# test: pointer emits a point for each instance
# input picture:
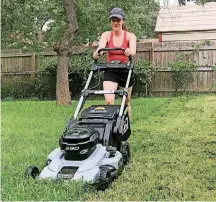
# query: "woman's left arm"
(132, 43)
(132, 40)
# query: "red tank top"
(117, 55)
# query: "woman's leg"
(109, 85)
(128, 101)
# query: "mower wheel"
(32, 171)
(125, 151)
(105, 178)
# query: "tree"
(22, 23)
(63, 48)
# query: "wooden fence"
(160, 55)
(202, 53)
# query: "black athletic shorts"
(119, 77)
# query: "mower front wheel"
(32, 171)
(105, 178)
(125, 151)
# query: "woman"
(118, 37)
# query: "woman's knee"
(127, 102)
(109, 101)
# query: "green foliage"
(196, 46)
(182, 72)
(81, 63)
(79, 66)
(93, 19)
(21, 21)
(143, 72)
(24, 87)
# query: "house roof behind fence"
(190, 17)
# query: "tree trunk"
(62, 83)
(40, 34)
(63, 49)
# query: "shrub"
(25, 87)
(182, 72)
(143, 72)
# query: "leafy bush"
(143, 72)
(25, 87)
(182, 72)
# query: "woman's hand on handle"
(96, 55)
(127, 52)
(102, 44)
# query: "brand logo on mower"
(72, 148)
(100, 108)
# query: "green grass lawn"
(173, 146)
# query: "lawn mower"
(93, 147)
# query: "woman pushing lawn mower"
(118, 37)
(94, 147)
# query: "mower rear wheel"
(105, 178)
(125, 151)
(32, 171)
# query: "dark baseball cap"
(118, 13)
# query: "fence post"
(151, 55)
(33, 65)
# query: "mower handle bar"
(110, 49)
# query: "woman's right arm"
(102, 44)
